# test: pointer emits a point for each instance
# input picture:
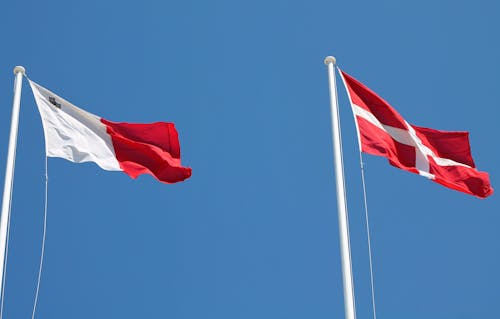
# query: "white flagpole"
(345, 251)
(9, 171)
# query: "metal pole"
(9, 171)
(345, 251)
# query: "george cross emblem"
(53, 101)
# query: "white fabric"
(73, 133)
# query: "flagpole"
(345, 251)
(9, 171)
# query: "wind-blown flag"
(441, 156)
(79, 136)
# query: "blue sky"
(253, 233)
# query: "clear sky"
(253, 233)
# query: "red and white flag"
(79, 136)
(441, 156)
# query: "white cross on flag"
(441, 156)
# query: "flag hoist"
(345, 250)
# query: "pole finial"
(330, 59)
(18, 69)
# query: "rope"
(43, 239)
(368, 235)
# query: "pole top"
(18, 69)
(330, 59)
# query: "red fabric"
(148, 149)
(370, 101)
(446, 145)
(452, 145)
(463, 179)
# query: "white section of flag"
(72, 133)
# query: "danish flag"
(441, 156)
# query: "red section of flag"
(148, 149)
(370, 101)
(452, 145)
(463, 179)
(442, 156)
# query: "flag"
(134, 148)
(441, 156)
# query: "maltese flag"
(79, 136)
(441, 156)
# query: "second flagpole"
(9, 173)
(345, 250)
